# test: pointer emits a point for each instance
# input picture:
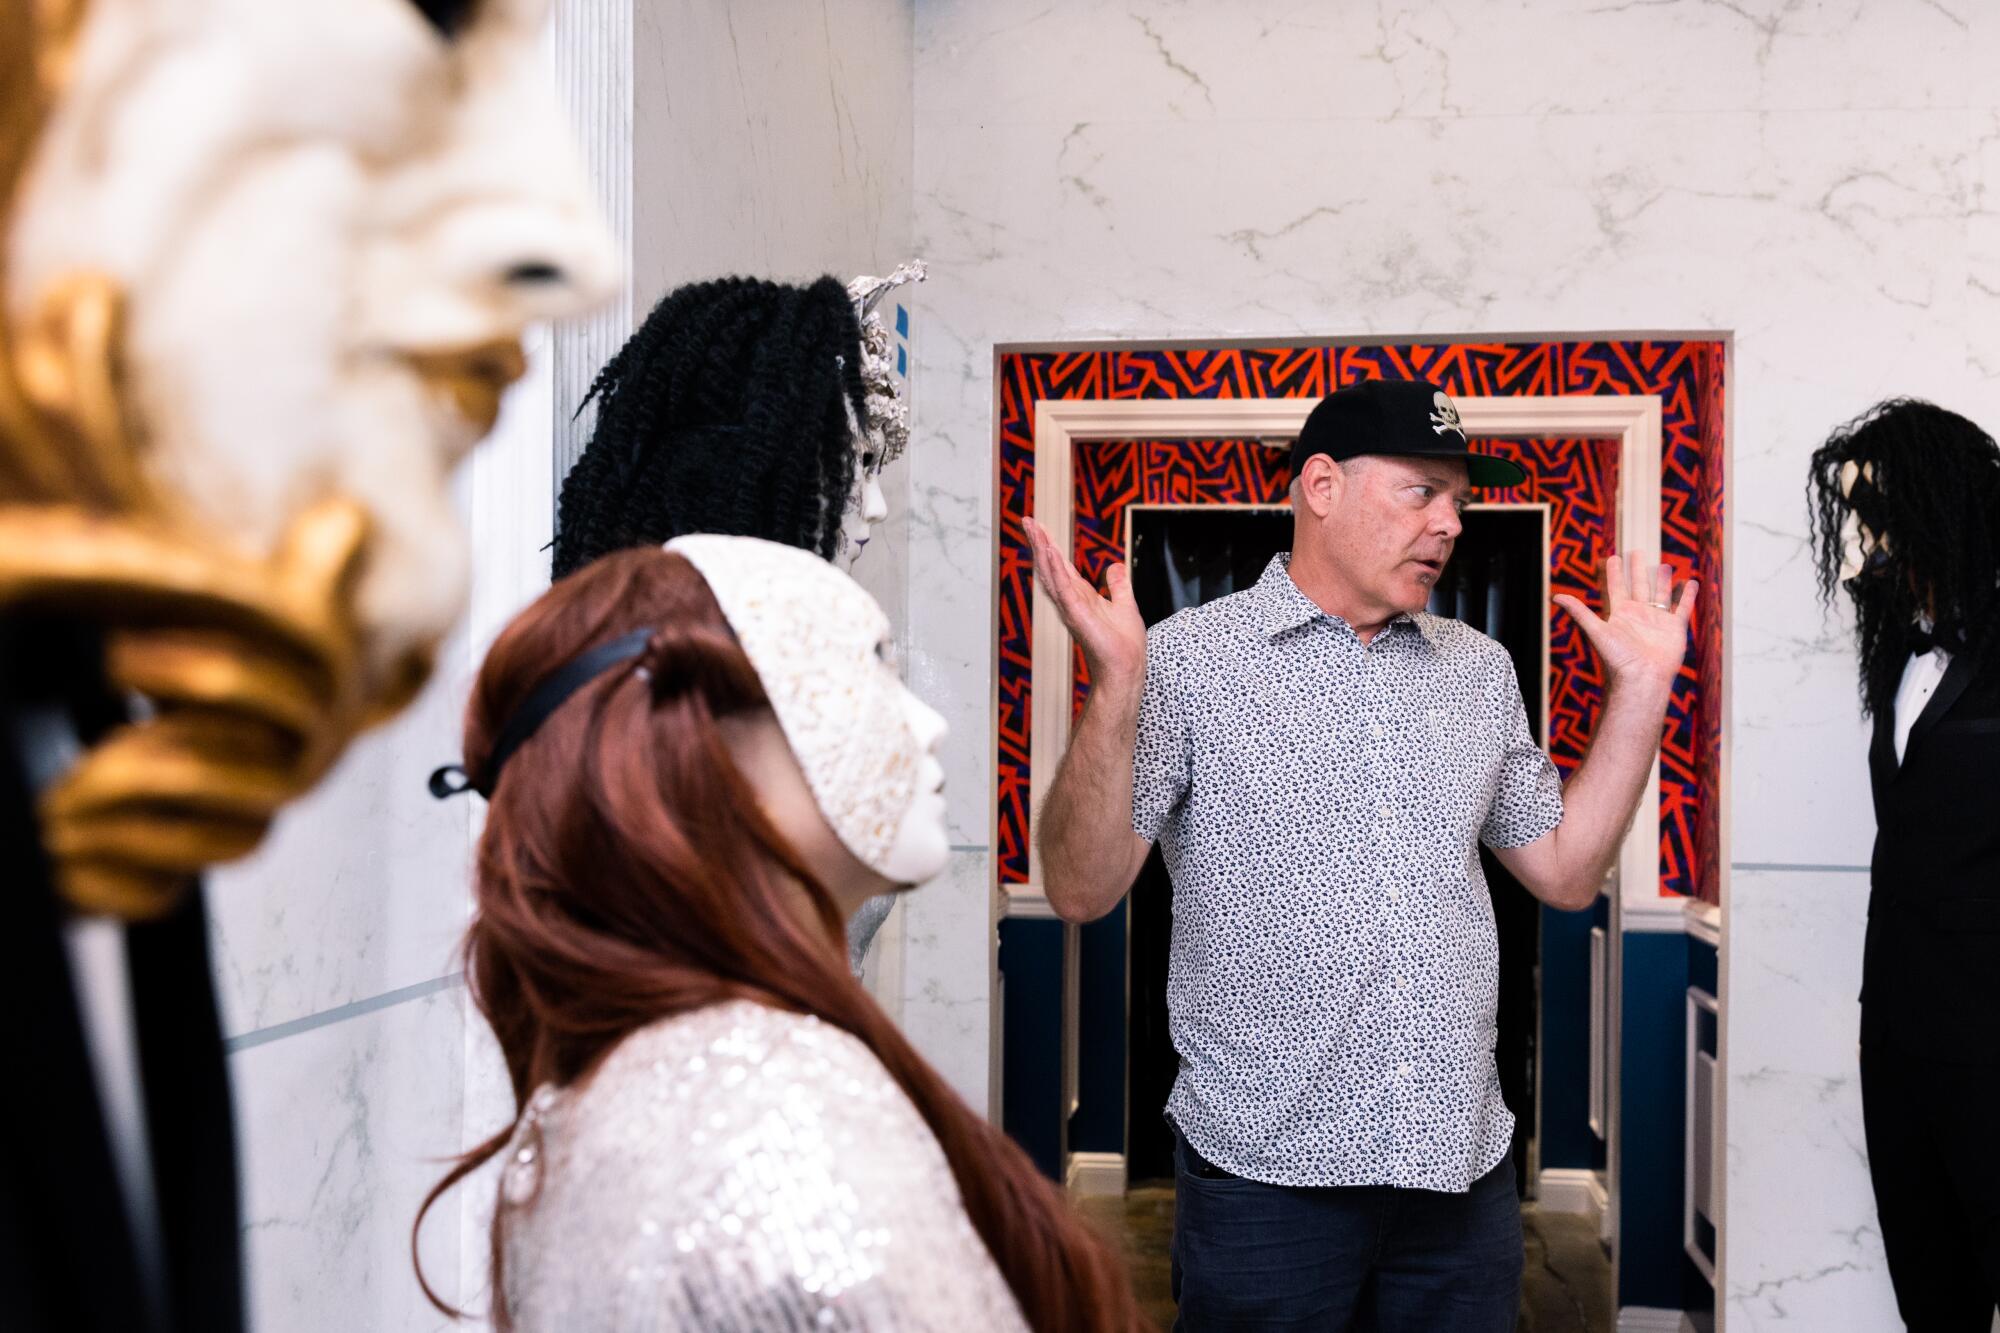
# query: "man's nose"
(1450, 521)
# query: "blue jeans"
(1368, 1258)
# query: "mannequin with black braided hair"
(1905, 507)
(728, 411)
(748, 408)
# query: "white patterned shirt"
(1334, 969)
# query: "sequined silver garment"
(740, 1169)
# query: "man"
(1317, 758)
(1907, 519)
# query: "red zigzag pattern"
(1577, 478)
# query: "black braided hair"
(1932, 497)
(727, 411)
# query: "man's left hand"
(1643, 633)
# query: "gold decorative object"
(244, 671)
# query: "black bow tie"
(1923, 641)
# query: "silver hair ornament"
(886, 429)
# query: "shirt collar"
(1282, 606)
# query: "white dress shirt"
(1920, 681)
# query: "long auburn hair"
(626, 874)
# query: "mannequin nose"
(551, 262)
(534, 273)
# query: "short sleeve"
(1527, 796)
(1161, 756)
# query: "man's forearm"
(1084, 828)
(1599, 799)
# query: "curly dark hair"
(727, 411)
(1929, 489)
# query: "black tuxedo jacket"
(67, 1257)
(1930, 972)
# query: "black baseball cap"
(1405, 418)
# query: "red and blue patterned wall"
(1577, 478)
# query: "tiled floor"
(1565, 1287)
(1143, 1223)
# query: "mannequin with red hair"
(699, 762)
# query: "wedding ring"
(1662, 605)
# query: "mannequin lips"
(472, 379)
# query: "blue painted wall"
(1567, 1142)
(1704, 966)
(1696, 1294)
(1652, 1114)
(1099, 1124)
(1031, 956)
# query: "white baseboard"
(1571, 1190)
(1650, 1319)
(1096, 1174)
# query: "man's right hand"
(1090, 855)
(1109, 629)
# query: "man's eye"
(449, 17)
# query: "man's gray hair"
(1346, 465)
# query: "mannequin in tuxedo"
(1906, 508)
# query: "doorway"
(1497, 582)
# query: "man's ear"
(1318, 486)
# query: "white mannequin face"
(822, 649)
(923, 842)
(331, 223)
(921, 848)
(1857, 540)
(866, 506)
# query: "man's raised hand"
(1107, 626)
(1644, 629)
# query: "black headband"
(548, 696)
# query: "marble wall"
(359, 1066)
(1813, 180)
(775, 140)
(768, 139)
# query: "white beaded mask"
(819, 645)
